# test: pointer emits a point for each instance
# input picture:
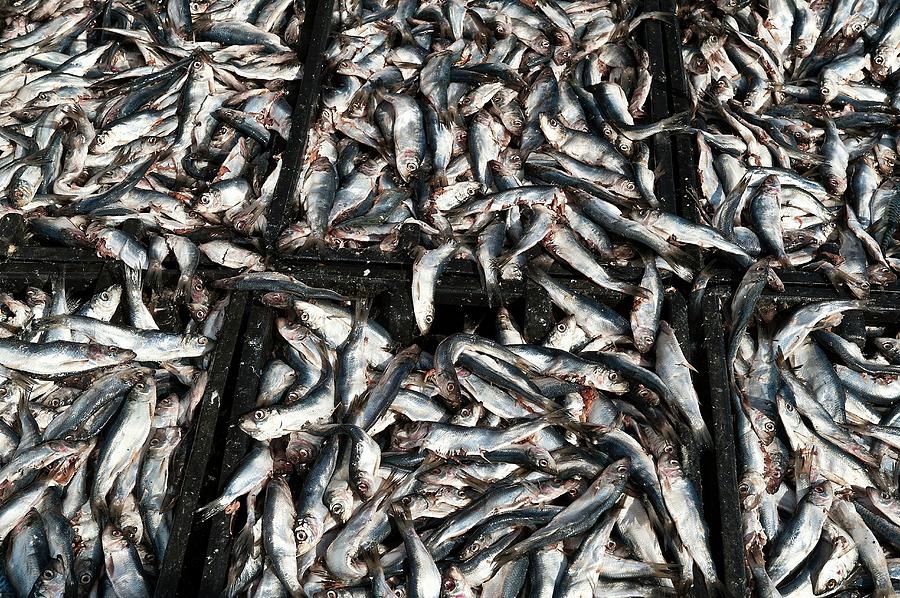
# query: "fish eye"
(553, 123)
(744, 488)
(544, 43)
(337, 508)
(197, 65)
(202, 340)
(714, 38)
(629, 186)
(820, 490)
(462, 412)
(885, 496)
(542, 463)
(117, 533)
(562, 327)
(429, 319)
(411, 166)
(451, 387)
(832, 584)
(769, 427)
(140, 385)
(748, 103)
(878, 59)
(301, 535)
(48, 574)
(86, 578)
(331, 594)
(304, 317)
(611, 545)
(674, 462)
(613, 376)
(790, 408)
(104, 296)
(622, 469)
(201, 313)
(449, 584)
(259, 415)
(154, 442)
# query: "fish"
(463, 454)
(89, 485)
(791, 113)
(175, 124)
(827, 408)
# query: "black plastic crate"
(715, 341)
(459, 299)
(90, 277)
(658, 38)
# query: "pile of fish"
(96, 402)
(505, 468)
(126, 128)
(506, 126)
(818, 433)
(796, 117)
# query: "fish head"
(197, 344)
(454, 584)
(643, 337)
(835, 570)
(300, 450)
(447, 382)
(648, 395)
(541, 458)
(883, 501)
(164, 440)
(668, 467)
(410, 435)
(307, 533)
(22, 192)
(889, 347)
(829, 89)
(751, 490)
(106, 354)
(85, 569)
(53, 575)
(419, 504)
(262, 424)
(615, 473)
(209, 202)
(339, 503)
(408, 164)
(822, 494)
(644, 215)
(553, 130)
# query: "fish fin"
(666, 570)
